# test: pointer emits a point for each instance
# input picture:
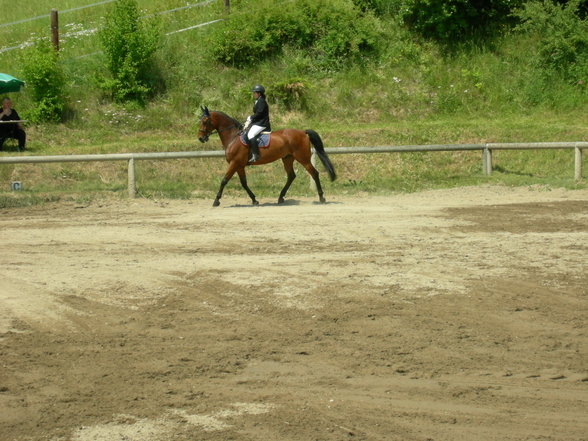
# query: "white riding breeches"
(254, 130)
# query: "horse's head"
(205, 128)
(220, 122)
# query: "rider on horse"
(257, 122)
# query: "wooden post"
(227, 6)
(131, 179)
(54, 30)
(487, 161)
(578, 164)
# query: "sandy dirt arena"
(443, 315)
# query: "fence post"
(227, 6)
(487, 160)
(54, 30)
(131, 180)
(578, 163)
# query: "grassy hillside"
(404, 90)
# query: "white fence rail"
(486, 150)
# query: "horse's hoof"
(281, 201)
(255, 203)
(215, 203)
(323, 200)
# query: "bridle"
(210, 131)
(207, 133)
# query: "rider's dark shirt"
(260, 115)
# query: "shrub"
(291, 94)
(246, 38)
(45, 79)
(129, 44)
(334, 32)
(563, 38)
(380, 7)
(343, 34)
(449, 21)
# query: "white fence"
(486, 150)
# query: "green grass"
(412, 93)
(383, 173)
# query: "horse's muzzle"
(203, 139)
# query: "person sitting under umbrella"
(11, 130)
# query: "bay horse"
(286, 144)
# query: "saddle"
(263, 139)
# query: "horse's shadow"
(286, 203)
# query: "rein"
(223, 129)
(227, 128)
(236, 126)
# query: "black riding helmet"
(258, 88)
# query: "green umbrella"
(9, 83)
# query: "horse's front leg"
(228, 175)
(243, 179)
(216, 202)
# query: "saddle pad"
(264, 139)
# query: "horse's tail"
(317, 142)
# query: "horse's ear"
(205, 111)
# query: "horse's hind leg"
(243, 179)
(289, 167)
(313, 172)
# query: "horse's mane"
(237, 123)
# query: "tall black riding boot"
(253, 149)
